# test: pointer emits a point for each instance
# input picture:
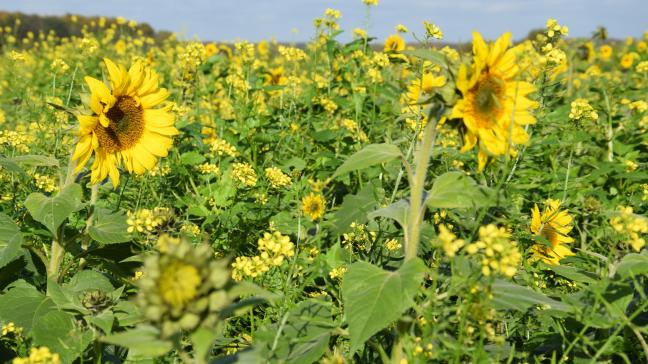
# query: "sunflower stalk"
(417, 206)
(57, 251)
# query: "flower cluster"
(449, 242)
(277, 178)
(359, 238)
(39, 355)
(499, 252)
(44, 182)
(145, 220)
(631, 226)
(582, 110)
(244, 174)
(273, 249)
(432, 30)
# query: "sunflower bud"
(183, 287)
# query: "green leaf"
(110, 228)
(22, 303)
(64, 298)
(12, 164)
(103, 320)
(126, 313)
(58, 331)
(52, 211)
(427, 54)
(507, 295)
(10, 240)
(89, 280)
(374, 298)
(369, 156)
(456, 190)
(143, 339)
(396, 211)
(354, 208)
(632, 265)
(301, 336)
(575, 274)
(191, 158)
(202, 340)
(36, 160)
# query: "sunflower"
(424, 85)
(124, 129)
(394, 43)
(494, 106)
(313, 206)
(553, 225)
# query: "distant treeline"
(63, 26)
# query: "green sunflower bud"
(182, 287)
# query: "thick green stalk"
(57, 251)
(417, 207)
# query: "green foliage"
(374, 298)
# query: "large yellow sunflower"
(494, 106)
(554, 225)
(125, 129)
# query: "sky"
(291, 20)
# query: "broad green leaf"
(89, 280)
(633, 265)
(374, 298)
(52, 211)
(301, 336)
(396, 211)
(369, 156)
(427, 54)
(572, 273)
(20, 304)
(453, 190)
(126, 313)
(13, 164)
(10, 240)
(507, 295)
(354, 208)
(191, 158)
(103, 320)
(143, 339)
(202, 340)
(36, 160)
(64, 298)
(337, 256)
(109, 228)
(59, 332)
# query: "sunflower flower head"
(313, 206)
(182, 287)
(553, 225)
(126, 127)
(494, 106)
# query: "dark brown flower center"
(488, 99)
(126, 126)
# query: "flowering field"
(367, 201)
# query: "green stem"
(57, 251)
(417, 208)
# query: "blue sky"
(227, 20)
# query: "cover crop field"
(371, 201)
